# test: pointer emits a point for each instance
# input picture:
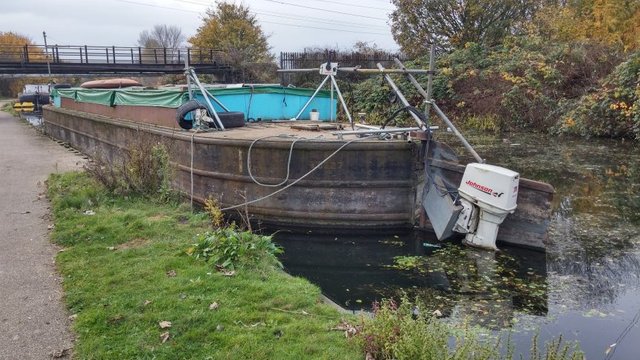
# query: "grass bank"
(126, 270)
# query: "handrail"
(86, 54)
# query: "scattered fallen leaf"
(219, 327)
(349, 330)
(214, 306)
(228, 272)
(59, 354)
(73, 317)
(146, 302)
(112, 248)
(369, 357)
(50, 227)
(165, 336)
(437, 313)
(171, 273)
(89, 212)
(165, 324)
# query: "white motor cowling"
(488, 193)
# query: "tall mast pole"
(46, 52)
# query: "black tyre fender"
(185, 109)
(230, 119)
(28, 98)
(43, 99)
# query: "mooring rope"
(298, 179)
(191, 167)
(296, 139)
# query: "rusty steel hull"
(368, 185)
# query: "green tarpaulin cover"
(170, 97)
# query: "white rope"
(191, 167)
(286, 178)
(297, 180)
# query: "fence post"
(140, 55)
(188, 55)
(164, 50)
(25, 55)
(86, 54)
(80, 48)
(107, 50)
(114, 54)
(178, 56)
(132, 62)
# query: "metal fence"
(301, 60)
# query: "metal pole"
(344, 104)
(311, 98)
(206, 98)
(46, 51)
(456, 132)
(432, 55)
(188, 75)
(331, 104)
(401, 97)
(415, 83)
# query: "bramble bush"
(525, 82)
(611, 110)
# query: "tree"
(234, 30)
(12, 47)
(609, 22)
(453, 23)
(163, 36)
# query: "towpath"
(33, 320)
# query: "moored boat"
(301, 174)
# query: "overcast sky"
(291, 25)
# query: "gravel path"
(34, 323)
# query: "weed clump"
(402, 331)
(143, 169)
(405, 331)
(212, 208)
(229, 248)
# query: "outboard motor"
(487, 194)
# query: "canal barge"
(300, 173)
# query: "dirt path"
(33, 320)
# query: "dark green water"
(586, 287)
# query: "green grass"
(8, 107)
(131, 262)
(118, 268)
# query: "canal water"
(585, 288)
(35, 119)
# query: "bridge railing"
(84, 54)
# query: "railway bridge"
(28, 60)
